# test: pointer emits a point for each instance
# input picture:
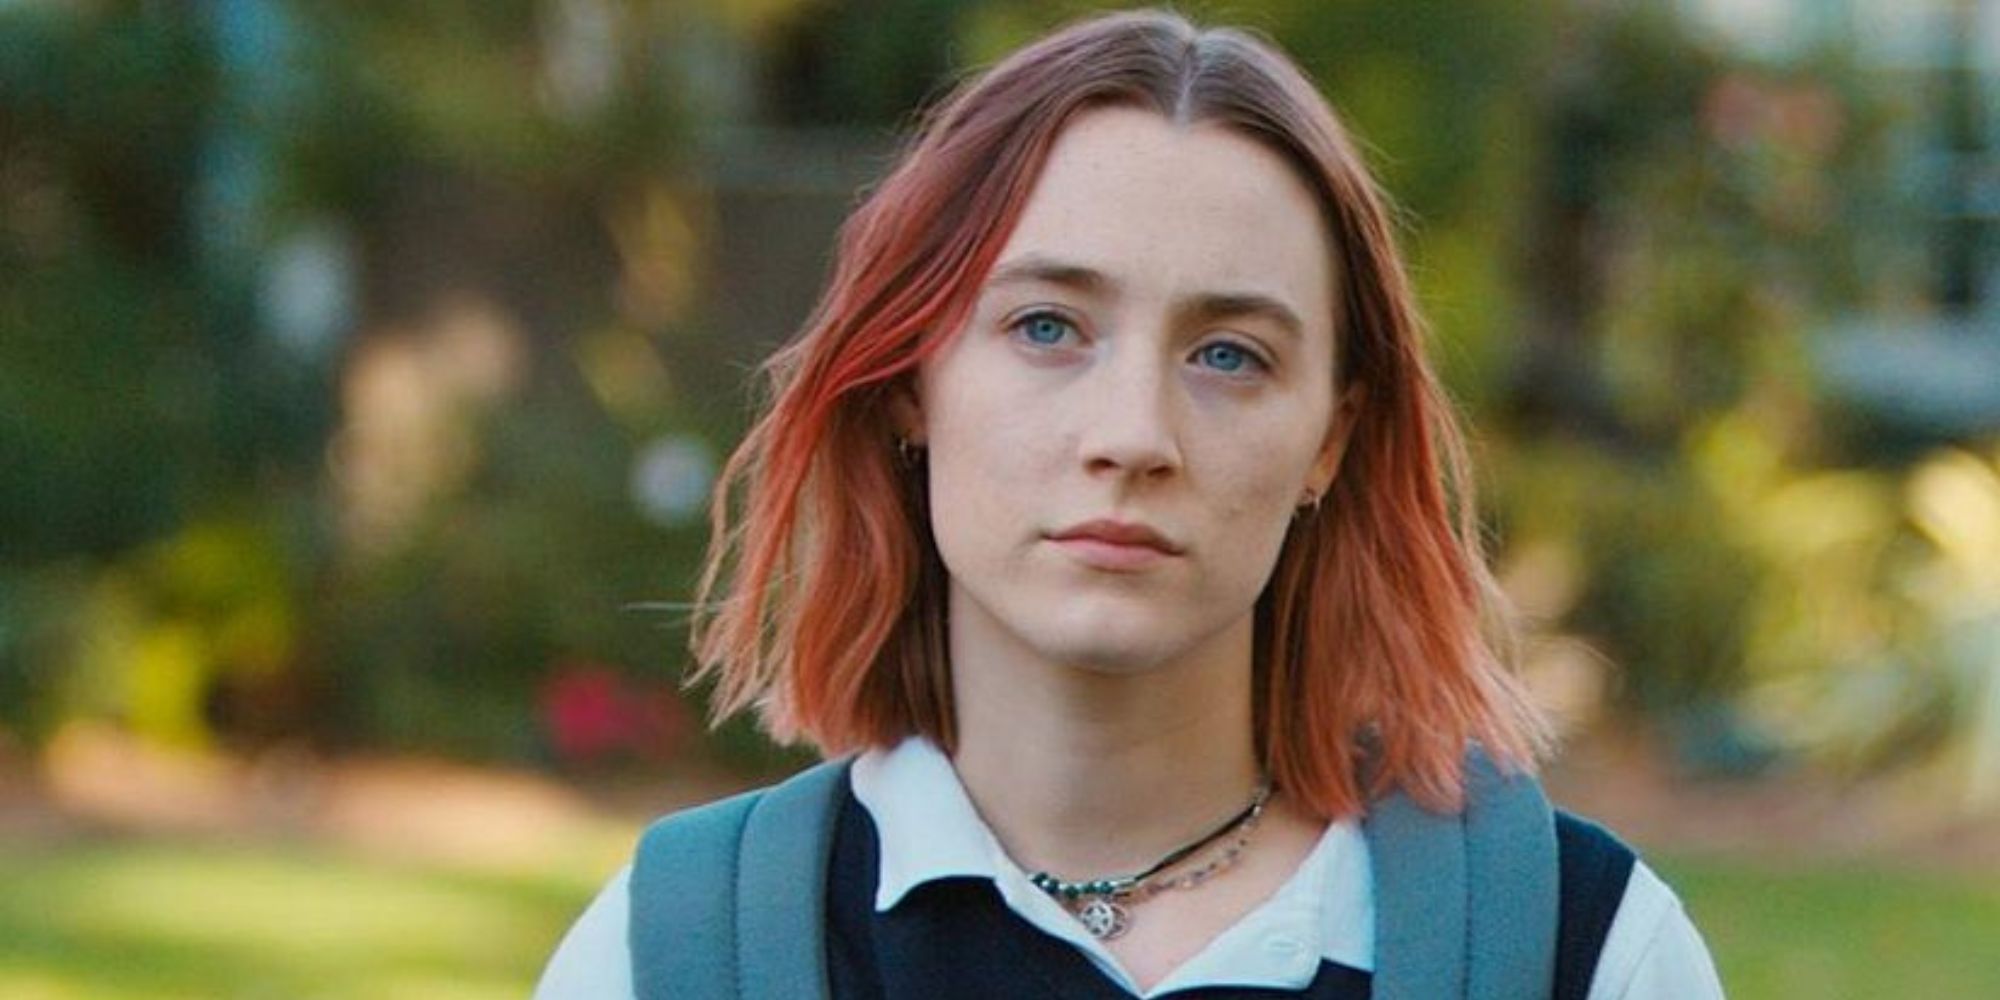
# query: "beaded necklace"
(1103, 905)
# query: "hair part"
(1381, 638)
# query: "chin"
(1110, 662)
(1114, 651)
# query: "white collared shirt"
(930, 830)
(1325, 911)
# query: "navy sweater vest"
(957, 938)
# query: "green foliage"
(178, 555)
(1626, 235)
(156, 638)
(468, 86)
(1658, 584)
(445, 642)
(103, 370)
(835, 65)
(139, 416)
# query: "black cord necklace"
(1100, 903)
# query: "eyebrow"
(1040, 269)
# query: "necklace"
(1103, 905)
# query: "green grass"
(1842, 931)
(118, 920)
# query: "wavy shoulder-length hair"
(1380, 637)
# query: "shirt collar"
(926, 825)
(929, 830)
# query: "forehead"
(1170, 209)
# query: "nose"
(1130, 425)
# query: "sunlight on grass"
(1831, 931)
(31, 984)
(149, 920)
(119, 920)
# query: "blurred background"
(364, 369)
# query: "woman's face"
(1121, 432)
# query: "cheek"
(1257, 483)
(1253, 506)
(986, 463)
(959, 499)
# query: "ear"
(906, 409)
(1326, 464)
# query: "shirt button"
(1283, 945)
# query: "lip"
(1115, 545)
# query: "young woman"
(1108, 530)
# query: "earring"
(907, 451)
(1307, 507)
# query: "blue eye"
(1224, 356)
(1044, 328)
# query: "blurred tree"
(362, 362)
(1621, 88)
(862, 63)
(451, 489)
(136, 392)
(517, 180)
(109, 370)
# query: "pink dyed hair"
(1381, 638)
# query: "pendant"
(1103, 918)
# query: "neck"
(1084, 772)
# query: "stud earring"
(908, 451)
(1307, 507)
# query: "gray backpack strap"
(1515, 871)
(1465, 905)
(727, 899)
(681, 926)
(1418, 861)
(781, 887)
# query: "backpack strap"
(727, 899)
(681, 928)
(1465, 905)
